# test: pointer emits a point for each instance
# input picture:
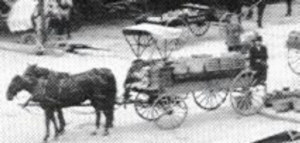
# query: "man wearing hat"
(258, 56)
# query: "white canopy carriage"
(208, 79)
(144, 36)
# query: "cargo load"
(205, 66)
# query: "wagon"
(193, 17)
(209, 81)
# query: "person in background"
(289, 7)
(65, 9)
(258, 56)
(233, 30)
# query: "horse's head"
(4, 8)
(17, 84)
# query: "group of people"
(27, 15)
(252, 46)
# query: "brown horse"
(55, 93)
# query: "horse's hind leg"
(109, 115)
(62, 122)
(52, 118)
(98, 117)
(49, 114)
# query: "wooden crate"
(213, 64)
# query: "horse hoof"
(94, 133)
(45, 140)
(60, 132)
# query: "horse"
(4, 7)
(53, 94)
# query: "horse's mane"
(40, 72)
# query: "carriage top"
(156, 31)
(195, 6)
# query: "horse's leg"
(52, 118)
(62, 121)
(98, 117)
(47, 123)
(68, 27)
(109, 115)
(260, 12)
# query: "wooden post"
(41, 33)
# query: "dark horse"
(4, 8)
(55, 92)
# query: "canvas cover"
(157, 31)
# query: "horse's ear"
(17, 77)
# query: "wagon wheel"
(143, 106)
(210, 98)
(183, 25)
(246, 98)
(172, 112)
(29, 39)
(199, 28)
(294, 60)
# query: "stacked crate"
(212, 65)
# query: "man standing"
(289, 7)
(233, 30)
(258, 60)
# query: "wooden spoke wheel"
(144, 106)
(199, 28)
(210, 99)
(294, 60)
(172, 112)
(245, 96)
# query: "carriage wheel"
(143, 107)
(29, 39)
(173, 111)
(210, 99)
(294, 60)
(183, 25)
(199, 28)
(246, 98)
